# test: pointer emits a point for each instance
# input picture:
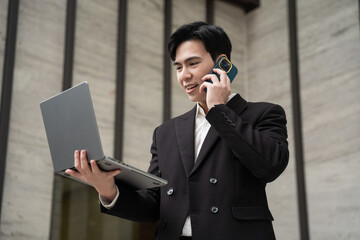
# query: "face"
(192, 62)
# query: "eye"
(193, 63)
(177, 66)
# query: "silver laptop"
(71, 125)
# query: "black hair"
(214, 38)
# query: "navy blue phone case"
(227, 66)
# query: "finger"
(84, 161)
(94, 167)
(73, 173)
(211, 77)
(203, 86)
(77, 160)
(218, 70)
(222, 74)
(115, 172)
(96, 170)
(224, 78)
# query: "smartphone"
(225, 65)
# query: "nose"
(185, 74)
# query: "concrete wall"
(144, 77)
(233, 21)
(3, 17)
(184, 11)
(329, 48)
(27, 199)
(269, 80)
(75, 210)
(328, 38)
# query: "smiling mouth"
(192, 86)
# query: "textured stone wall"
(233, 21)
(328, 38)
(94, 62)
(26, 205)
(329, 52)
(184, 11)
(3, 20)
(269, 80)
(144, 79)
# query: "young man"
(217, 157)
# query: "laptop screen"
(70, 125)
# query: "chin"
(196, 97)
(193, 98)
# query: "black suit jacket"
(224, 191)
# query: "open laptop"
(71, 125)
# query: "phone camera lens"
(225, 65)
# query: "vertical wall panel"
(184, 11)
(329, 71)
(95, 62)
(144, 79)
(269, 80)
(26, 206)
(7, 52)
(3, 21)
(233, 20)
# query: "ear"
(220, 56)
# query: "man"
(217, 157)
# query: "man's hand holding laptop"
(102, 181)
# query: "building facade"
(303, 55)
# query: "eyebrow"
(188, 60)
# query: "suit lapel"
(208, 144)
(184, 127)
(237, 104)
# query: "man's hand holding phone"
(217, 83)
(219, 90)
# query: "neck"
(204, 107)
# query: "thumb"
(115, 172)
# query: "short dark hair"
(215, 40)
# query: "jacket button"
(214, 210)
(163, 223)
(170, 191)
(213, 180)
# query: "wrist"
(214, 104)
(110, 194)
